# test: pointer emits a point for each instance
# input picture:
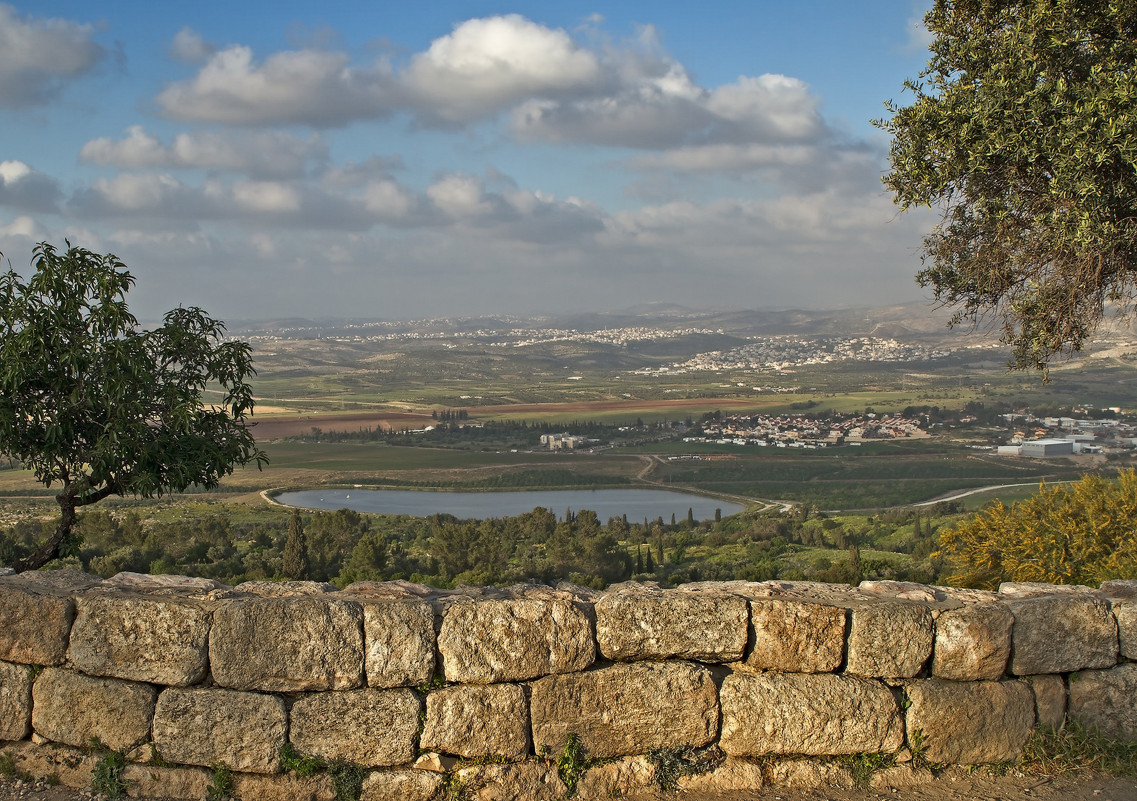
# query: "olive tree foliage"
(96, 406)
(1023, 132)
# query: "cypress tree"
(295, 566)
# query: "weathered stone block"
(618, 778)
(807, 774)
(287, 644)
(1062, 633)
(283, 788)
(477, 721)
(15, 701)
(734, 775)
(71, 708)
(72, 767)
(971, 722)
(637, 624)
(141, 638)
(398, 639)
(626, 709)
(1106, 700)
(889, 639)
(153, 781)
(520, 781)
(402, 785)
(819, 714)
(1125, 612)
(483, 642)
(973, 643)
(374, 728)
(1049, 700)
(201, 727)
(36, 623)
(796, 636)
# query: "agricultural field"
(461, 406)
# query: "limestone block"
(254, 787)
(971, 723)
(71, 766)
(889, 639)
(1106, 700)
(141, 638)
(637, 625)
(808, 774)
(626, 709)
(1120, 589)
(15, 701)
(71, 708)
(287, 644)
(811, 714)
(37, 622)
(201, 727)
(616, 779)
(483, 642)
(152, 781)
(398, 640)
(374, 728)
(436, 762)
(734, 775)
(519, 781)
(1125, 612)
(1049, 700)
(1038, 589)
(1061, 633)
(165, 584)
(796, 636)
(402, 785)
(973, 643)
(477, 721)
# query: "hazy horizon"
(470, 158)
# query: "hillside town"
(801, 431)
(785, 352)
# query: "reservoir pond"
(635, 503)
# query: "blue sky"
(268, 159)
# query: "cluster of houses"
(1038, 437)
(800, 431)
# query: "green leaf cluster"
(97, 406)
(1023, 132)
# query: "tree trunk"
(50, 549)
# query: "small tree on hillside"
(295, 564)
(97, 407)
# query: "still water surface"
(635, 503)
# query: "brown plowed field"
(276, 426)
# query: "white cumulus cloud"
(310, 87)
(188, 47)
(27, 189)
(492, 63)
(263, 153)
(39, 55)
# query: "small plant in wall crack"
(863, 766)
(221, 784)
(572, 762)
(347, 777)
(301, 764)
(672, 764)
(107, 777)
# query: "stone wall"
(708, 687)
